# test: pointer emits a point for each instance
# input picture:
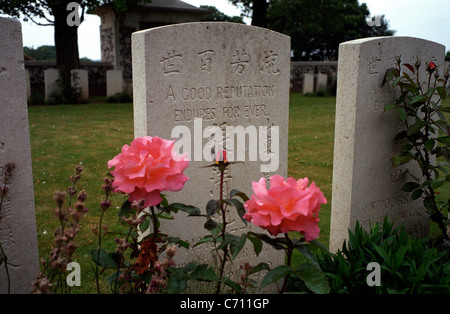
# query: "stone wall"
(96, 72)
(299, 72)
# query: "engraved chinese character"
(171, 63)
(5, 209)
(205, 59)
(373, 66)
(239, 60)
(6, 237)
(268, 63)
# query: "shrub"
(408, 265)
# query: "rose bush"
(289, 205)
(147, 167)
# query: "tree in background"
(316, 27)
(56, 13)
(42, 53)
(219, 16)
(256, 9)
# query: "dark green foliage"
(218, 16)
(408, 264)
(120, 98)
(318, 27)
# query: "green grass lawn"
(65, 136)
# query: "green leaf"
(389, 107)
(389, 75)
(313, 277)
(435, 184)
(259, 267)
(240, 209)
(212, 207)
(444, 140)
(416, 194)
(413, 84)
(441, 92)
(402, 114)
(413, 129)
(205, 239)
(242, 195)
(191, 210)
(429, 144)
(320, 245)
(419, 99)
(210, 225)
(236, 245)
(143, 226)
(178, 241)
(442, 124)
(125, 209)
(204, 272)
(109, 260)
(234, 285)
(400, 136)
(164, 215)
(400, 159)
(307, 253)
(275, 274)
(429, 204)
(257, 243)
(429, 92)
(277, 243)
(410, 186)
(396, 81)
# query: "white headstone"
(18, 223)
(187, 77)
(50, 78)
(80, 80)
(322, 82)
(114, 82)
(365, 185)
(308, 83)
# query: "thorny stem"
(225, 249)
(3, 256)
(98, 250)
(289, 250)
(121, 261)
(5, 261)
(155, 223)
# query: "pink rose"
(148, 167)
(289, 205)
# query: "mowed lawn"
(65, 136)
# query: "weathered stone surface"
(365, 185)
(18, 223)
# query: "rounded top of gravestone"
(213, 26)
(384, 38)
